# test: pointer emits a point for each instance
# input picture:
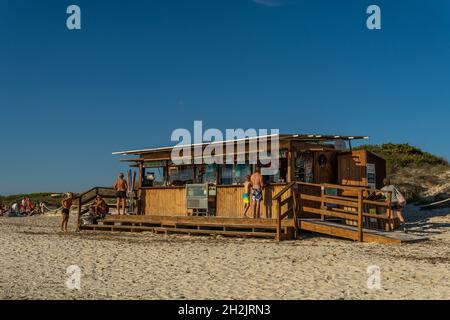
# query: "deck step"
(101, 227)
(232, 226)
(128, 222)
(113, 227)
(110, 221)
(152, 219)
(216, 232)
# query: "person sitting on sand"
(3, 209)
(121, 187)
(41, 207)
(257, 186)
(66, 205)
(99, 207)
(396, 204)
(22, 206)
(15, 208)
(31, 208)
(246, 195)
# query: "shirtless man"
(66, 206)
(257, 186)
(121, 187)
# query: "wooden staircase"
(242, 227)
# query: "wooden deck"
(244, 227)
(350, 232)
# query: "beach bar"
(320, 185)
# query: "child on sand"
(246, 195)
(66, 205)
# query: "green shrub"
(403, 155)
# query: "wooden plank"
(283, 191)
(79, 214)
(376, 203)
(278, 237)
(327, 229)
(365, 214)
(296, 198)
(341, 201)
(360, 215)
(115, 227)
(332, 200)
(331, 213)
(217, 232)
(305, 196)
(285, 201)
(350, 232)
(287, 213)
(225, 225)
(198, 220)
(322, 202)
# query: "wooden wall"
(166, 201)
(171, 201)
(229, 201)
(325, 173)
(352, 168)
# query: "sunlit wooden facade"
(302, 158)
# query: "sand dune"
(34, 258)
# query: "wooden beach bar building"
(321, 186)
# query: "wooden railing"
(289, 201)
(88, 196)
(351, 207)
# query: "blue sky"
(139, 69)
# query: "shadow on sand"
(420, 221)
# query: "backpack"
(401, 199)
(87, 219)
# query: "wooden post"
(279, 220)
(322, 201)
(79, 213)
(360, 216)
(389, 210)
(290, 161)
(139, 192)
(295, 195)
(299, 212)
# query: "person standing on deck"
(121, 187)
(257, 182)
(246, 195)
(66, 205)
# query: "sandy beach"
(35, 257)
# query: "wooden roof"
(282, 137)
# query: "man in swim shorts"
(257, 182)
(121, 187)
(66, 205)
